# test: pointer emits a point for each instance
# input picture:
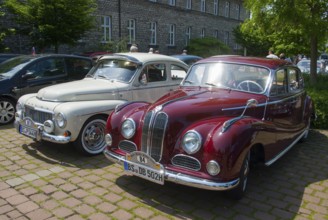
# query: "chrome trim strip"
(286, 150)
(182, 179)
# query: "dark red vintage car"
(230, 112)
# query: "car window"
(114, 69)
(279, 83)
(154, 73)
(77, 68)
(178, 73)
(295, 80)
(46, 68)
(234, 76)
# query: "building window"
(172, 2)
(153, 33)
(237, 11)
(202, 6)
(216, 34)
(172, 35)
(227, 9)
(106, 28)
(215, 7)
(153, 0)
(226, 37)
(188, 36)
(188, 4)
(202, 34)
(132, 31)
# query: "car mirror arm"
(227, 124)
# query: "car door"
(285, 107)
(41, 73)
(153, 81)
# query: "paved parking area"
(47, 181)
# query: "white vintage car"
(77, 111)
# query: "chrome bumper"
(180, 178)
(42, 135)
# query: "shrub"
(319, 95)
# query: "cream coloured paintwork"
(82, 99)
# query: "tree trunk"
(313, 65)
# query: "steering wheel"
(246, 86)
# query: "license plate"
(140, 164)
(28, 131)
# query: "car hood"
(82, 90)
(193, 105)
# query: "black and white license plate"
(28, 131)
(142, 165)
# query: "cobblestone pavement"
(47, 181)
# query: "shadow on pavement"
(277, 191)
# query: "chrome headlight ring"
(128, 128)
(191, 142)
(60, 120)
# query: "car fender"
(77, 113)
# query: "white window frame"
(188, 4)
(226, 37)
(203, 6)
(171, 35)
(202, 33)
(106, 27)
(153, 33)
(237, 11)
(188, 35)
(216, 34)
(227, 9)
(215, 7)
(172, 2)
(132, 30)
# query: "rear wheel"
(239, 191)
(7, 111)
(91, 140)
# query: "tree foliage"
(53, 22)
(206, 47)
(293, 26)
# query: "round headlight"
(48, 126)
(60, 120)
(108, 139)
(213, 168)
(19, 107)
(191, 142)
(128, 128)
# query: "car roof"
(259, 61)
(181, 56)
(144, 57)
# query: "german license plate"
(140, 164)
(28, 131)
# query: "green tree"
(293, 26)
(206, 47)
(53, 22)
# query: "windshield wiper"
(188, 81)
(101, 76)
(210, 84)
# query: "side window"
(46, 68)
(177, 72)
(295, 80)
(154, 73)
(77, 68)
(279, 83)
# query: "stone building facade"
(165, 25)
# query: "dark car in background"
(29, 73)
(188, 59)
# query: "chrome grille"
(127, 146)
(153, 134)
(185, 161)
(37, 116)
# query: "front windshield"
(226, 75)
(10, 67)
(114, 69)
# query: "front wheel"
(7, 111)
(238, 192)
(91, 140)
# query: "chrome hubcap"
(7, 112)
(94, 136)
